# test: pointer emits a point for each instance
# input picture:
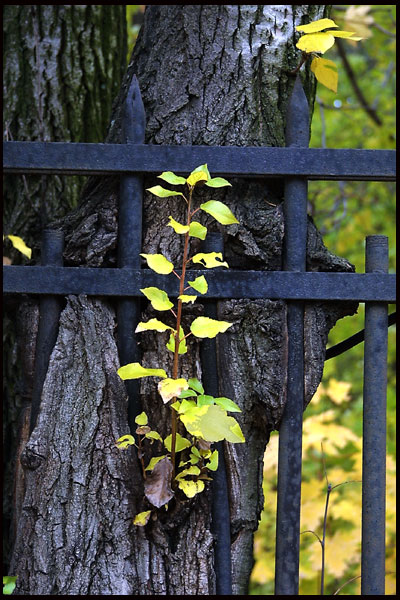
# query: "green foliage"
(204, 417)
(9, 584)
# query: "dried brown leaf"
(157, 487)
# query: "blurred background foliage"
(360, 115)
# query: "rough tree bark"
(213, 75)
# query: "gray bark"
(214, 74)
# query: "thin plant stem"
(175, 367)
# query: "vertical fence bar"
(374, 428)
(49, 316)
(130, 243)
(290, 432)
(221, 524)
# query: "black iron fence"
(296, 164)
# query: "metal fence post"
(374, 428)
(290, 431)
(221, 523)
(130, 243)
(49, 315)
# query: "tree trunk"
(213, 75)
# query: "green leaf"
(125, 441)
(205, 400)
(142, 518)
(136, 371)
(171, 178)
(182, 344)
(187, 394)
(199, 284)
(9, 583)
(177, 227)
(204, 327)
(186, 298)
(197, 230)
(141, 419)
(153, 324)
(20, 245)
(153, 435)
(161, 192)
(195, 385)
(212, 424)
(218, 182)
(158, 298)
(219, 211)
(154, 461)
(158, 263)
(209, 260)
(213, 463)
(191, 488)
(203, 168)
(171, 388)
(185, 406)
(180, 444)
(227, 404)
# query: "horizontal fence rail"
(102, 159)
(318, 286)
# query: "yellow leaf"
(186, 298)
(191, 488)
(123, 442)
(136, 371)
(158, 263)
(209, 260)
(316, 42)
(142, 518)
(203, 327)
(177, 227)
(316, 26)
(158, 298)
(20, 245)
(153, 324)
(326, 72)
(171, 388)
(195, 177)
(338, 391)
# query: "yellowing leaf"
(180, 444)
(153, 435)
(338, 391)
(186, 298)
(136, 371)
(356, 19)
(177, 227)
(197, 230)
(204, 327)
(158, 263)
(199, 284)
(326, 72)
(170, 177)
(123, 442)
(219, 211)
(182, 344)
(161, 192)
(316, 26)
(158, 298)
(213, 462)
(195, 177)
(153, 324)
(20, 245)
(193, 470)
(141, 419)
(212, 424)
(347, 35)
(316, 42)
(209, 261)
(171, 388)
(154, 461)
(142, 518)
(191, 488)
